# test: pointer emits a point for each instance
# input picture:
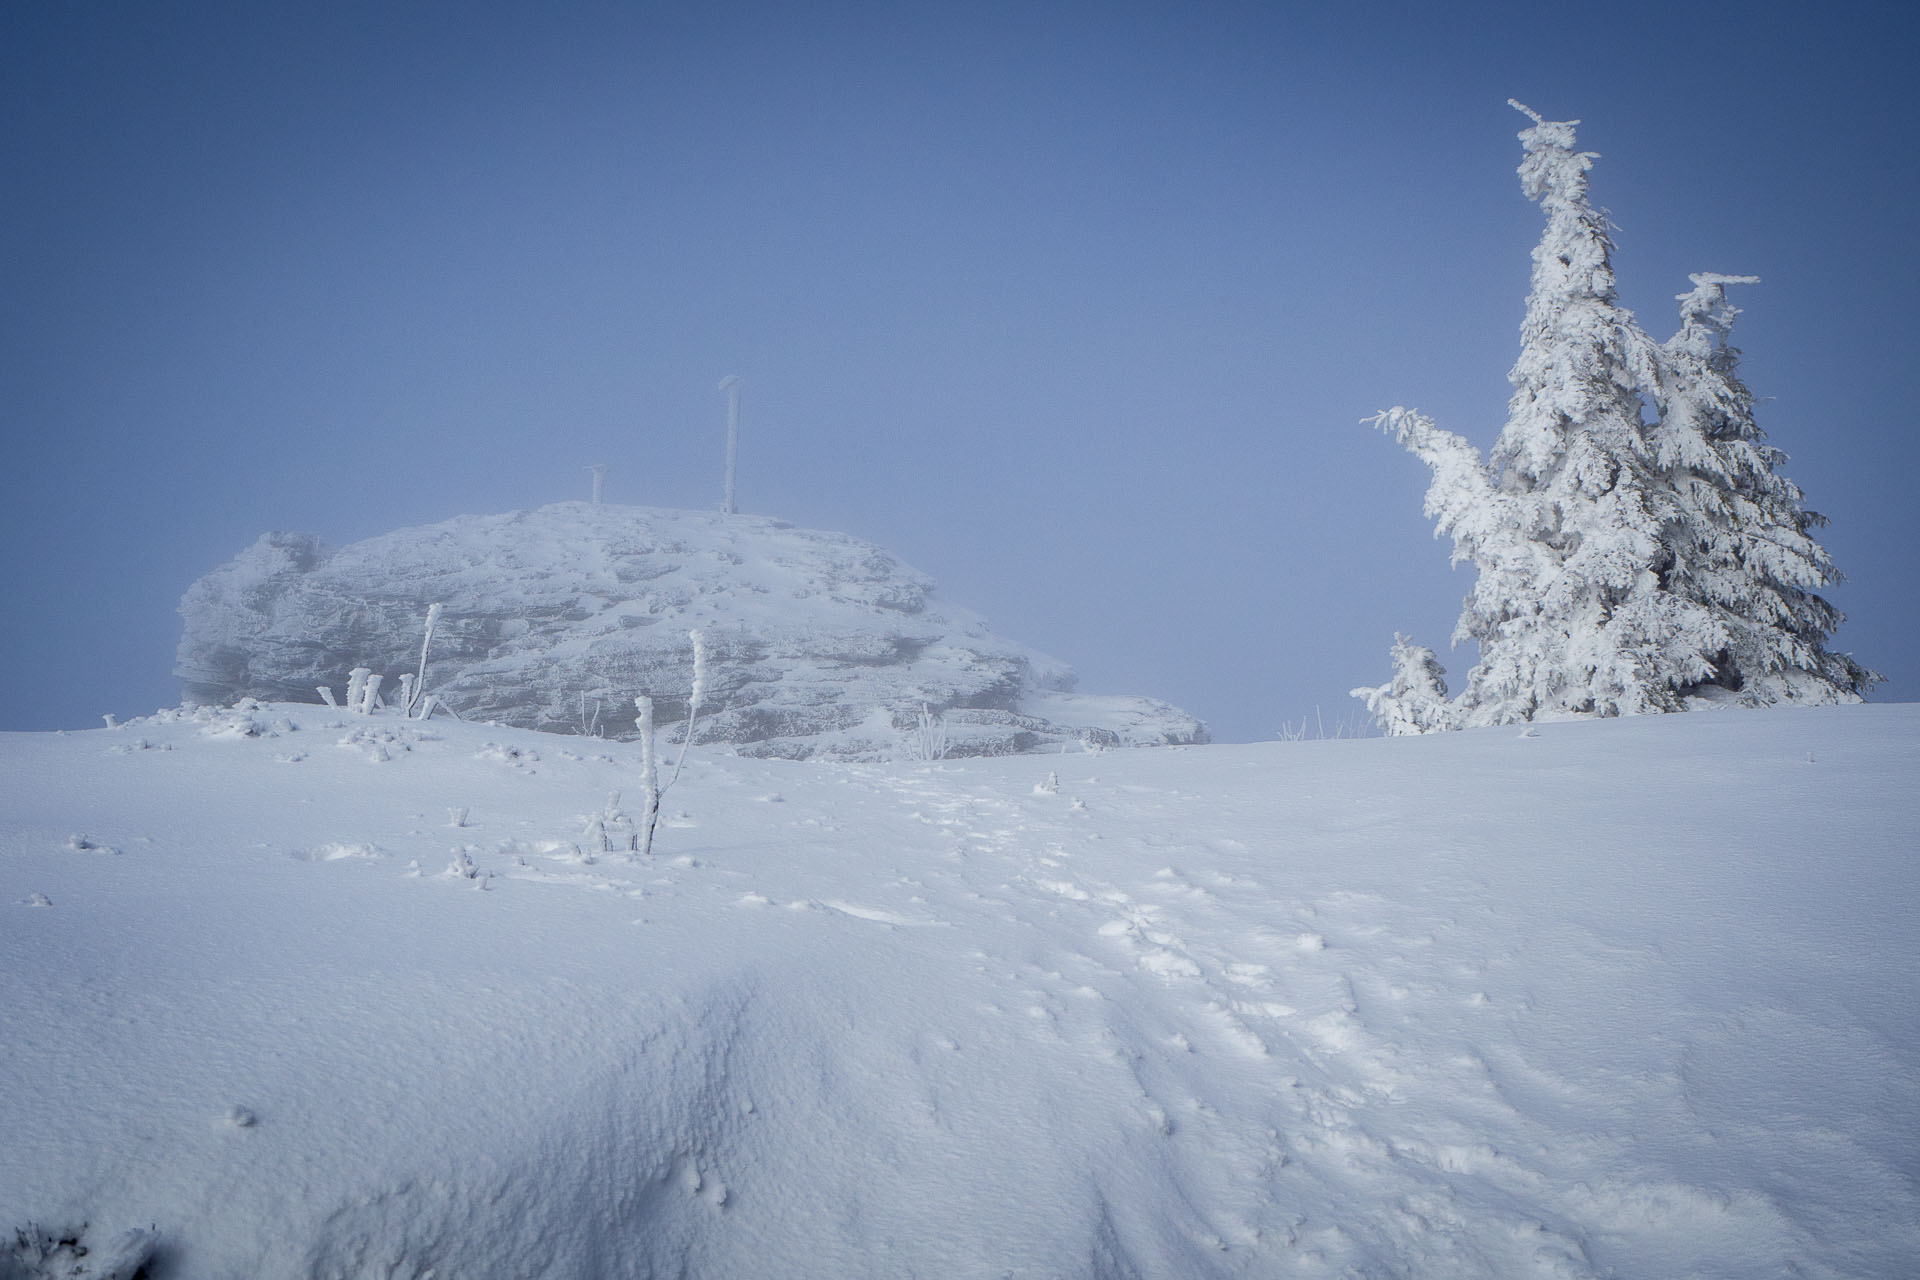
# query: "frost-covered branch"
(1461, 498)
(693, 702)
(651, 788)
(420, 679)
(649, 782)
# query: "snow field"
(1617, 998)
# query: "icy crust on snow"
(1617, 998)
(821, 644)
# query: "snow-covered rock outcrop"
(554, 618)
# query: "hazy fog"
(1075, 307)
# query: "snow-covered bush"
(1415, 700)
(1635, 549)
(463, 867)
(929, 740)
(611, 828)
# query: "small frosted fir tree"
(1595, 535)
(1415, 700)
(1740, 543)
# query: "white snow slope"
(1633, 998)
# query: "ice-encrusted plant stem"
(652, 790)
(420, 680)
(693, 702)
(357, 689)
(649, 783)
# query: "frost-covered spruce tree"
(1563, 521)
(1740, 543)
(1604, 546)
(1589, 631)
(1415, 700)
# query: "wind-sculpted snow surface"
(293, 993)
(556, 618)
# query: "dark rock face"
(818, 644)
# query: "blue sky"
(1076, 307)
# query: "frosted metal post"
(599, 470)
(731, 385)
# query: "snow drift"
(555, 618)
(292, 993)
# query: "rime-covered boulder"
(820, 645)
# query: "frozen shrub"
(929, 741)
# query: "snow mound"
(822, 645)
